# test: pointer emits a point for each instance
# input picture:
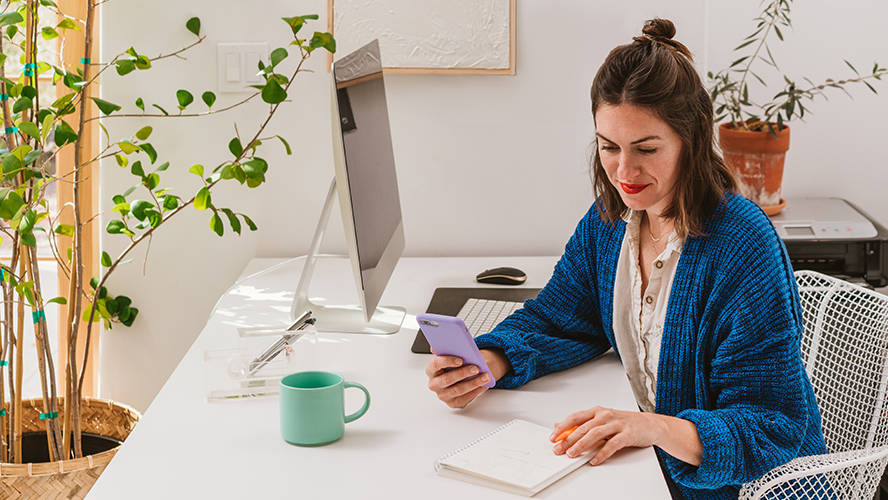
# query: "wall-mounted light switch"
(239, 65)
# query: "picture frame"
(427, 37)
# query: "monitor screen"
(367, 187)
(370, 167)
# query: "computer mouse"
(502, 276)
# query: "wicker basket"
(68, 479)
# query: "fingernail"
(473, 369)
(485, 378)
(594, 461)
(557, 449)
(458, 361)
(571, 453)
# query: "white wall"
(455, 138)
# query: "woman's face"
(640, 154)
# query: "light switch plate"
(239, 65)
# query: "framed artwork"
(429, 36)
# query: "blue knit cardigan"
(730, 360)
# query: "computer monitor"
(367, 188)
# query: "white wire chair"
(845, 350)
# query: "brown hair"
(657, 73)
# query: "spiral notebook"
(516, 457)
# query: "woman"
(687, 281)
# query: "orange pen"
(565, 434)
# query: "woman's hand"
(614, 430)
(452, 387)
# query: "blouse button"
(649, 299)
(659, 264)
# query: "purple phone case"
(449, 336)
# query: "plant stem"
(739, 123)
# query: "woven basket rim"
(74, 464)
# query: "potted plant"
(46, 106)
(755, 137)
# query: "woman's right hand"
(447, 377)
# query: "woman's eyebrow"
(648, 138)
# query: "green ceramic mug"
(313, 407)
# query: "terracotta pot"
(757, 159)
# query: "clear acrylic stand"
(252, 372)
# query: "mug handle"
(360, 413)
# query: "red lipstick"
(633, 188)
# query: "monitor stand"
(340, 318)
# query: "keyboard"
(481, 315)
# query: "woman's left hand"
(614, 430)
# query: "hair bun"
(659, 28)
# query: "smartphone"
(448, 336)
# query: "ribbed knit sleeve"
(562, 327)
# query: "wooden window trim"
(72, 52)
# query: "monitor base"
(350, 319)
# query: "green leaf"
(68, 24)
(144, 133)
(49, 33)
(193, 25)
(133, 312)
(32, 157)
(28, 221)
(64, 101)
(161, 110)
(104, 106)
(324, 40)
(115, 226)
(47, 126)
(126, 146)
(125, 66)
(273, 93)
(150, 151)
(216, 225)
(106, 259)
(64, 134)
(286, 145)
(152, 181)
(11, 205)
(209, 98)
(295, 23)
(163, 167)
(170, 202)
(30, 128)
(202, 200)
(22, 104)
(28, 239)
(249, 222)
(57, 300)
(235, 147)
(64, 230)
(184, 97)
(139, 208)
(112, 307)
(123, 208)
(197, 170)
(137, 170)
(233, 221)
(10, 18)
(140, 104)
(278, 55)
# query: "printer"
(832, 236)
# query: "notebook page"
(519, 453)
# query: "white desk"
(185, 447)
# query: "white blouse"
(638, 321)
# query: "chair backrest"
(845, 350)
